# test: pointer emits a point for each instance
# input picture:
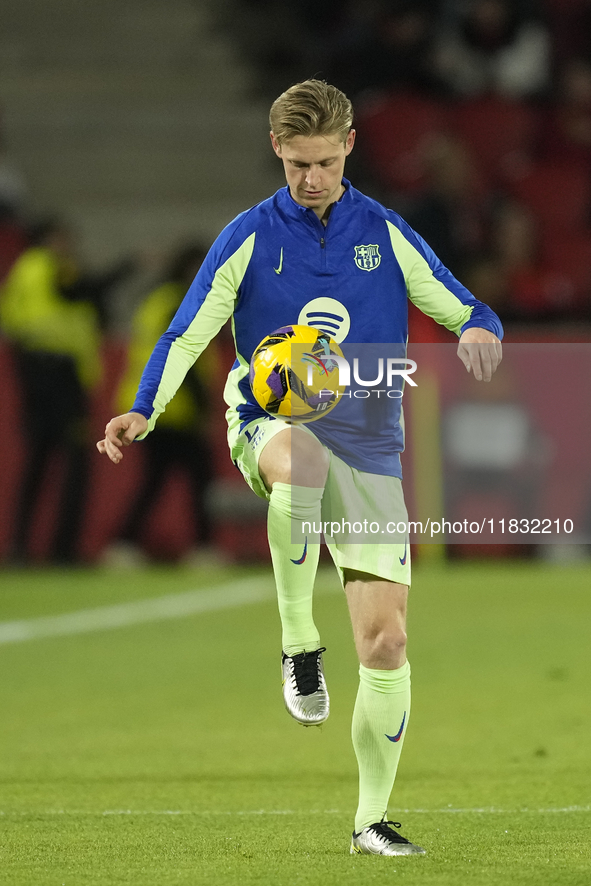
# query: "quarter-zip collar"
(296, 211)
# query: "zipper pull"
(322, 242)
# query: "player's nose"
(312, 177)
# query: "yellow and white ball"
(293, 373)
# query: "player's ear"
(350, 141)
(276, 145)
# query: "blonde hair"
(312, 107)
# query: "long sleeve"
(433, 289)
(206, 307)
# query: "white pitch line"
(447, 810)
(224, 596)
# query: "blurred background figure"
(567, 123)
(387, 46)
(50, 312)
(180, 438)
(494, 46)
(452, 209)
(543, 284)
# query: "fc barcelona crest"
(367, 257)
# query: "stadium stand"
(500, 133)
(395, 131)
(558, 195)
(132, 132)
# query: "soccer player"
(320, 248)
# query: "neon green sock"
(380, 719)
(295, 563)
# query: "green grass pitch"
(160, 753)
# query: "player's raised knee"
(309, 460)
(295, 457)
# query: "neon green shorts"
(358, 508)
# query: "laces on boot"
(384, 830)
(306, 671)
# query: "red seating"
(394, 131)
(499, 133)
(570, 259)
(559, 196)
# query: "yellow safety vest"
(35, 314)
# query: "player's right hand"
(122, 431)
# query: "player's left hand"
(481, 352)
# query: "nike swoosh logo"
(403, 559)
(278, 270)
(398, 735)
(304, 555)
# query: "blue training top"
(278, 265)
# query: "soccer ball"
(293, 373)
